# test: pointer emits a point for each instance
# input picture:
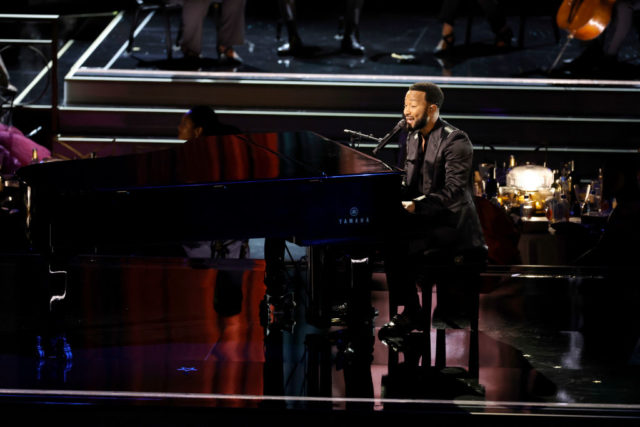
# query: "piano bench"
(456, 275)
(450, 261)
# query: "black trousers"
(620, 25)
(404, 250)
(353, 8)
(492, 10)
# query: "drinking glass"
(582, 191)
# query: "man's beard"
(419, 124)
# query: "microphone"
(354, 133)
(385, 140)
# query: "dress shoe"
(293, 47)
(342, 314)
(351, 45)
(504, 38)
(399, 327)
(227, 55)
(445, 44)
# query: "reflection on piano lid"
(295, 185)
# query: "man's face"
(417, 112)
(186, 128)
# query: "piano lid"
(211, 159)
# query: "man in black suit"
(439, 211)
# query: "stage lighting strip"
(125, 140)
(126, 43)
(355, 79)
(118, 140)
(475, 407)
(368, 115)
(103, 35)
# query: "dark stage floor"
(397, 43)
(178, 341)
(558, 345)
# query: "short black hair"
(432, 91)
(205, 117)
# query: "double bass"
(583, 20)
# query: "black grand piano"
(296, 186)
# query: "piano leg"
(360, 326)
(353, 358)
(52, 340)
(355, 342)
(275, 278)
(340, 286)
(277, 309)
(274, 381)
(359, 302)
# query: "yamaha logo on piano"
(354, 217)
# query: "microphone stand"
(357, 136)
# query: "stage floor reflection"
(152, 329)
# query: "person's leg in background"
(288, 13)
(498, 22)
(351, 40)
(193, 14)
(231, 29)
(619, 27)
(448, 14)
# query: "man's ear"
(197, 131)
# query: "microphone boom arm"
(385, 140)
(362, 135)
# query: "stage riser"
(355, 96)
(557, 132)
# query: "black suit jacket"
(445, 193)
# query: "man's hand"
(409, 206)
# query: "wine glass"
(582, 196)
